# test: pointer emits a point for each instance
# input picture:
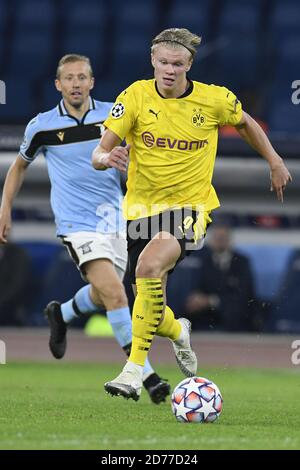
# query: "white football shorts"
(89, 246)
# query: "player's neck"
(79, 112)
(176, 93)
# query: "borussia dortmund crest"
(198, 119)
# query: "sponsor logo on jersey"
(170, 143)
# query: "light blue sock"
(80, 304)
(120, 321)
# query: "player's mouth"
(76, 94)
(168, 81)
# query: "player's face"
(75, 83)
(170, 68)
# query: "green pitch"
(64, 406)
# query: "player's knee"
(113, 296)
(147, 268)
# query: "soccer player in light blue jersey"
(86, 205)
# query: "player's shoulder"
(138, 87)
(211, 90)
(34, 125)
(42, 122)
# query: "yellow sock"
(169, 327)
(146, 315)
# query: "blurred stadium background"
(252, 47)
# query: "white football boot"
(185, 356)
(128, 384)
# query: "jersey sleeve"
(31, 145)
(123, 114)
(230, 112)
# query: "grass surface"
(64, 406)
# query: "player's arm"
(13, 182)
(253, 134)
(109, 153)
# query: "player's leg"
(105, 290)
(82, 247)
(178, 331)
(108, 289)
(158, 257)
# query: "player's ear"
(152, 60)
(92, 83)
(188, 67)
(57, 85)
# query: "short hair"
(70, 59)
(178, 37)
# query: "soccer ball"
(196, 400)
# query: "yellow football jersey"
(173, 145)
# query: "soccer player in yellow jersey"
(171, 128)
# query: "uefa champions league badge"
(118, 110)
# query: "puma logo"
(153, 112)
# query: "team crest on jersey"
(198, 119)
(118, 110)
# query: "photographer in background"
(224, 299)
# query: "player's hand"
(280, 177)
(117, 158)
(5, 225)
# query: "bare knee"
(111, 295)
(147, 267)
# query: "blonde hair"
(70, 59)
(177, 37)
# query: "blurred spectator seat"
(285, 18)
(15, 283)
(186, 14)
(85, 30)
(19, 100)
(268, 264)
(286, 310)
(41, 255)
(31, 53)
(3, 17)
(284, 116)
(35, 14)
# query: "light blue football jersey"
(82, 198)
